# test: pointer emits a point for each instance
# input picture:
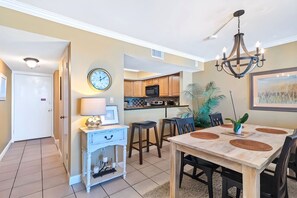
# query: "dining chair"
(186, 125)
(292, 161)
(270, 185)
(216, 119)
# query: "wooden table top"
(222, 148)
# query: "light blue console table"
(94, 139)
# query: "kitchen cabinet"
(174, 88)
(128, 88)
(154, 81)
(137, 89)
(164, 86)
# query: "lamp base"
(93, 122)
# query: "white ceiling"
(150, 66)
(176, 25)
(15, 45)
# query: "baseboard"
(74, 179)
(57, 142)
(5, 150)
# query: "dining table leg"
(251, 182)
(175, 156)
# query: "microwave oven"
(152, 91)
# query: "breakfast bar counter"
(153, 107)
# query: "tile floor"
(34, 169)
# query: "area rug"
(193, 189)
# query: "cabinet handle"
(108, 138)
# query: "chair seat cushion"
(266, 180)
(145, 124)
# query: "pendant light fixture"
(239, 63)
(31, 62)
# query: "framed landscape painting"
(274, 90)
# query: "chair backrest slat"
(185, 125)
(280, 176)
(216, 119)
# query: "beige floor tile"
(5, 193)
(114, 185)
(96, 192)
(30, 163)
(70, 196)
(32, 142)
(130, 168)
(6, 184)
(10, 162)
(54, 181)
(31, 158)
(163, 165)
(34, 195)
(145, 186)
(135, 177)
(150, 171)
(31, 178)
(161, 178)
(29, 170)
(58, 191)
(8, 175)
(133, 158)
(153, 159)
(55, 158)
(54, 153)
(18, 144)
(138, 166)
(26, 189)
(78, 187)
(11, 168)
(128, 192)
(52, 165)
(11, 157)
(53, 172)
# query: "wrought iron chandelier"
(238, 65)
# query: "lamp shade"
(93, 106)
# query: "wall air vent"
(157, 54)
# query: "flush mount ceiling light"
(31, 62)
(239, 63)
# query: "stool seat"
(145, 124)
(172, 123)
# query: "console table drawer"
(107, 136)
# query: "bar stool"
(144, 125)
(171, 122)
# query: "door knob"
(62, 117)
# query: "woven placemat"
(272, 131)
(204, 135)
(244, 134)
(250, 145)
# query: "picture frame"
(3, 87)
(111, 117)
(274, 90)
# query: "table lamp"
(93, 107)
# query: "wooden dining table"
(220, 151)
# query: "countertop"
(154, 107)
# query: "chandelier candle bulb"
(224, 52)
(257, 47)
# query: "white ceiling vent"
(157, 54)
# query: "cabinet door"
(155, 81)
(174, 86)
(164, 86)
(137, 89)
(128, 88)
(143, 88)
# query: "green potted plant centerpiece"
(237, 124)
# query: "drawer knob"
(108, 138)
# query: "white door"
(64, 108)
(32, 106)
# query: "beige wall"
(56, 104)
(88, 51)
(283, 56)
(5, 109)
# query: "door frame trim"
(13, 98)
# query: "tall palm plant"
(205, 100)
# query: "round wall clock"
(99, 79)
